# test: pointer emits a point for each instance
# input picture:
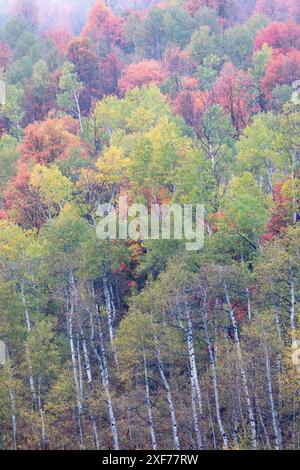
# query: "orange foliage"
(61, 39)
(49, 140)
(147, 72)
(191, 105)
(103, 26)
(22, 202)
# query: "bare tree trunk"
(192, 358)
(13, 407)
(36, 401)
(293, 301)
(259, 413)
(169, 399)
(103, 366)
(211, 424)
(215, 385)
(88, 371)
(42, 414)
(70, 327)
(275, 424)
(110, 314)
(78, 112)
(242, 369)
(149, 404)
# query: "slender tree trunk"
(13, 407)
(215, 385)
(78, 111)
(103, 366)
(261, 419)
(275, 424)
(196, 391)
(36, 401)
(169, 399)
(242, 370)
(88, 371)
(149, 404)
(213, 434)
(293, 300)
(70, 329)
(42, 414)
(109, 313)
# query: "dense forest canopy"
(140, 343)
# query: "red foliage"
(109, 73)
(22, 202)
(239, 310)
(103, 27)
(178, 62)
(5, 54)
(190, 83)
(230, 10)
(38, 102)
(191, 105)
(49, 140)
(284, 36)
(234, 91)
(281, 69)
(86, 63)
(61, 39)
(280, 217)
(147, 72)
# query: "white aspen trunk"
(169, 399)
(80, 379)
(112, 303)
(242, 369)
(102, 362)
(195, 415)
(42, 414)
(13, 418)
(275, 424)
(109, 313)
(149, 404)
(247, 293)
(70, 319)
(196, 392)
(106, 385)
(234, 425)
(277, 320)
(36, 400)
(78, 112)
(215, 385)
(88, 371)
(293, 301)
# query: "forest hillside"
(139, 342)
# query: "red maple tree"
(278, 35)
(234, 91)
(147, 72)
